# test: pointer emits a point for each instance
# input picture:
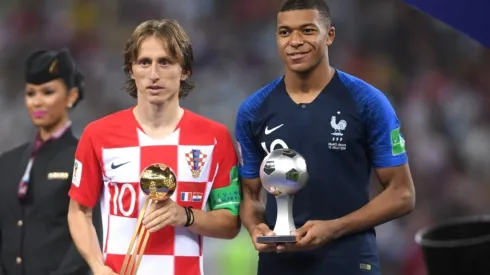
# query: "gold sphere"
(158, 181)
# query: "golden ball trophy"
(158, 182)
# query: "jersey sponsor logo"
(115, 166)
(196, 160)
(269, 131)
(397, 142)
(77, 173)
(338, 127)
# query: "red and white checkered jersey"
(110, 157)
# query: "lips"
(155, 87)
(297, 55)
(39, 114)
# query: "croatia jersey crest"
(196, 160)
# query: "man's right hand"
(262, 230)
(104, 270)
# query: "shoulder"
(211, 126)
(249, 107)
(14, 152)
(107, 123)
(363, 93)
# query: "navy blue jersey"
(347, 130)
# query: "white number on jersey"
(277, 142)
(118, 199)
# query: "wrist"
(189, 216)
(339, 227)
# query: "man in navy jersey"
(344, 128)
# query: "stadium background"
(433, 75)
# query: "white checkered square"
(186, 242)
(121, 229)
(156, 265)
(172, 139)
(122, 164)
(194, 170)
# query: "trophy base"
(276, 239)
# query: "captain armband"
(228, 197)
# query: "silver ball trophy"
(283, 173)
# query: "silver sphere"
(283, 171)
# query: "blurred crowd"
(434, 76)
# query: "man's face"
(302, 39)
(157, 75)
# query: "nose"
(37, 100)
(296, 40)
(154, 73)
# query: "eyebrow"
(300, 27)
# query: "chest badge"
(338, 126)
(196, 160)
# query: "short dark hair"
(177, 43)
(320, 5)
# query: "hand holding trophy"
(158, 182)
(283, 173)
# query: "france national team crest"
(338, 126)
(196, 160)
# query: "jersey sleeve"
(384, 137)
(225, 193)
(250, 156)
(87, 174)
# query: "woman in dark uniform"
(35, 177)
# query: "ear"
(184, 75)
(73, 95)
(131, 73)
(330, 36)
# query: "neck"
(46, 132)
(158, 115)
(311, 81)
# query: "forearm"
(388, 205)
(252, 213)
(85, 238)
(215, 224)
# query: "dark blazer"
(34, 233)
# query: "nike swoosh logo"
(114, 166)
(267, 131)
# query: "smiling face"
(156, 74)
(302, 39)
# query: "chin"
(160, 98)
(300, 68)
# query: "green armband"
(228, 197)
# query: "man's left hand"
(163, 213)
(311, 235)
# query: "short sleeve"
(225, 192)
(384, 136)
(87, 174)
(250, 157)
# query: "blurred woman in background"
(35, 177)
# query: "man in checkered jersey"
(115, 149)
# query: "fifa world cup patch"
(77, 173)
(196, 160)
(397, 142)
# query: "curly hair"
(176, 42)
